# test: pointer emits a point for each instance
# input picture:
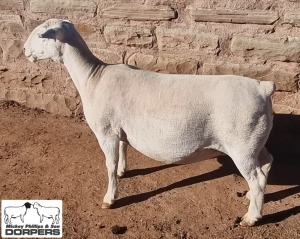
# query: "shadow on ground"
(284, 145)
(225, 169)
(284, 140)
(279, 216)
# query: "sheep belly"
(171, 141)
(198, 155)
(13, 212)
(176, 154)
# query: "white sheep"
(171, 118)
(48, 212)
(15, 212)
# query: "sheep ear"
(49, 34)
(67, 21)
(54, 34)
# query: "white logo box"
(31, 218)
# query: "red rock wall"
(255, 38)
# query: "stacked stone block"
(258, 39)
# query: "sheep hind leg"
(122, 159)
(110, 147)
(250, 169)
(265, 160)
(7, 219)
(57, 219)
(247, 198)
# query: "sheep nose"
(25, 49)
(26, 53)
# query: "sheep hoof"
(120, 174)
(106, 205)
(246, 201)
(246, 222)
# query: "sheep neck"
(81, 65)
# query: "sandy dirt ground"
(49, 157)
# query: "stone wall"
(255, 38)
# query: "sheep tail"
(268, 87)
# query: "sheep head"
(27, 205)
(46, 40)
(36, 205)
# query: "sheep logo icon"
(48, 212)
(14, 212)
(31, 218)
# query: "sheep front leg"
(122, 159)
(110, 148)
(22, 218)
